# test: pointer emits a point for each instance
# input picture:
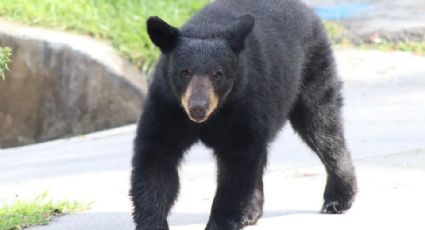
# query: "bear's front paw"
(252, 214)
(250, 219)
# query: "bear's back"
(289, 20)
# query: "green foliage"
(120, 21)
(20, 214)
(4, 60)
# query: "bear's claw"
(334, 207)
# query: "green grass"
(120, 21)
(4, 61)
(20, 214)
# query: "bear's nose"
(197, 112)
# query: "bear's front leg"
(154, 187)
(162, 138)
(238, 173)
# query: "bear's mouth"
(199, 100)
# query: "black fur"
(277, 64)
(163, 35)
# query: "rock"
(61, 84)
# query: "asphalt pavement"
(385, 119)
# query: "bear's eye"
(217, 76)
(185, 73)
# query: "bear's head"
(201, 70)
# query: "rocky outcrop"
(61, 84)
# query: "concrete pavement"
(384, 119)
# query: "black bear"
(230, 78)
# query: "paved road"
(394, 20)
(385, 121)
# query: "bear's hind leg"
(320, 127)
(316, 118)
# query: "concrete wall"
(62, 85)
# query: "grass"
(120, 21)
(4, 61)
(337, 33)
(340, 37)
(20, 214)
(413, 47)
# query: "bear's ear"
(162, 34)
(238, 31)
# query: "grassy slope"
(120, 21)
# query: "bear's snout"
(199, 99)
(198, 111)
